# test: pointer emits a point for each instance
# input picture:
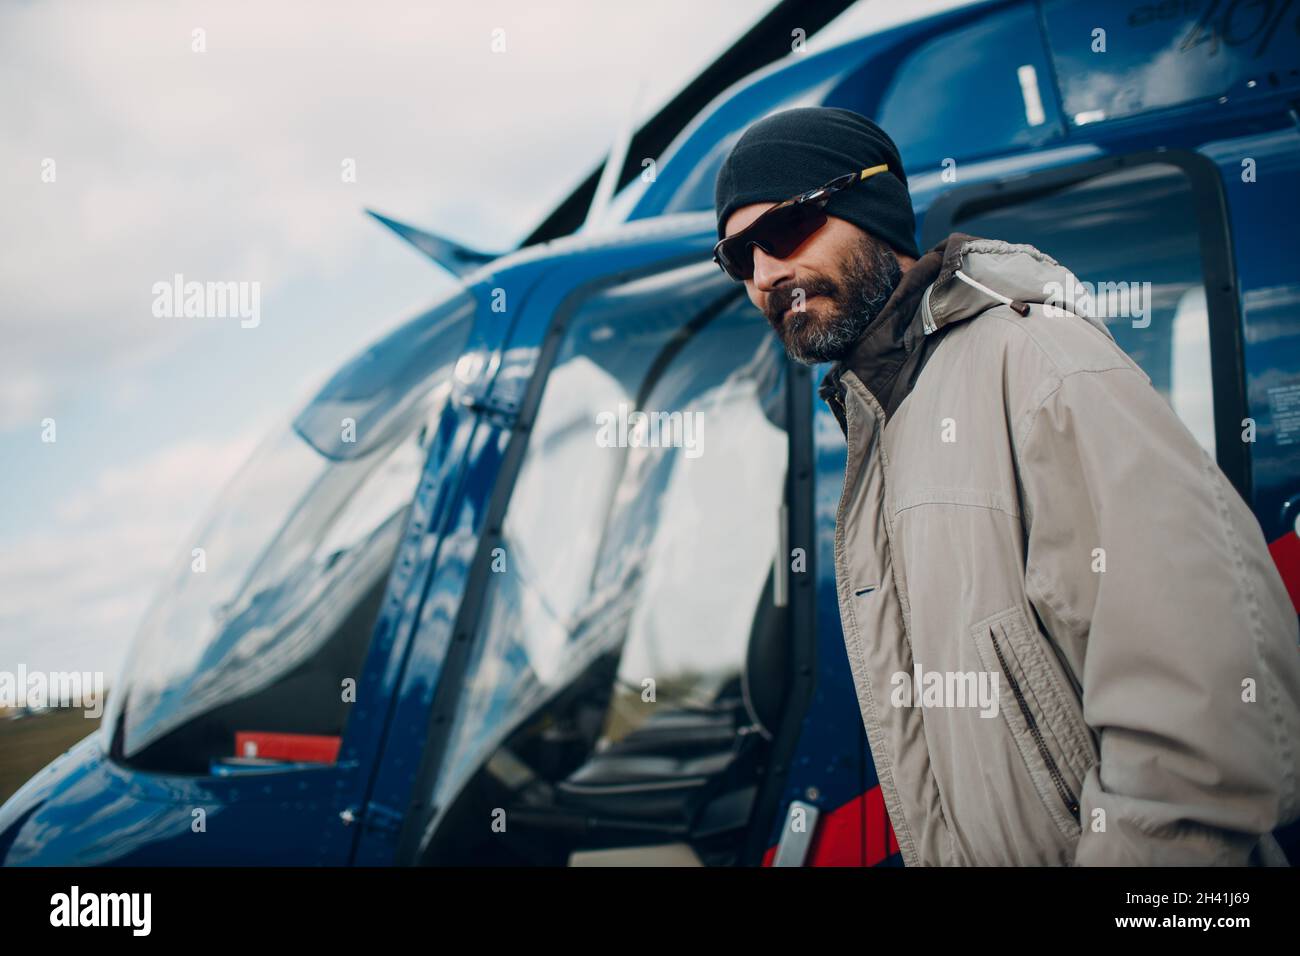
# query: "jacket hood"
(978, 274)
(955, 280)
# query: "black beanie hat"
(788, 152)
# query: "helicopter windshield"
(272, 604)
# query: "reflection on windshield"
(259, 628)
(388, 386)
(699, 538)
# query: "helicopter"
(461, 630)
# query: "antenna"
(618, 148)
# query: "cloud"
(226, 164)
(73, 592)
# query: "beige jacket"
(1029, 512)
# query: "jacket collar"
(898, 331)
(956, 280)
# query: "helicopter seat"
(680, 758)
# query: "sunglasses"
(783, 228)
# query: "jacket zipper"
(905, 844)
(927, 317)
(837, 406)
(1071, 803)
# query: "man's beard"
(867, 279)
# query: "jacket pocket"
(1040, 711)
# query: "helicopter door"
(617, 687)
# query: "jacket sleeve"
(1144, 559)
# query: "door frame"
(1218, 271)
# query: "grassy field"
(29, 744)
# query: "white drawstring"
(927, 316)
(1018, 307)
(982, 287)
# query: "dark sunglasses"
(783, 228)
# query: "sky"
(128, 156)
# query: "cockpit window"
(387, 386)
(244, 655)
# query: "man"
(1021, 511)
